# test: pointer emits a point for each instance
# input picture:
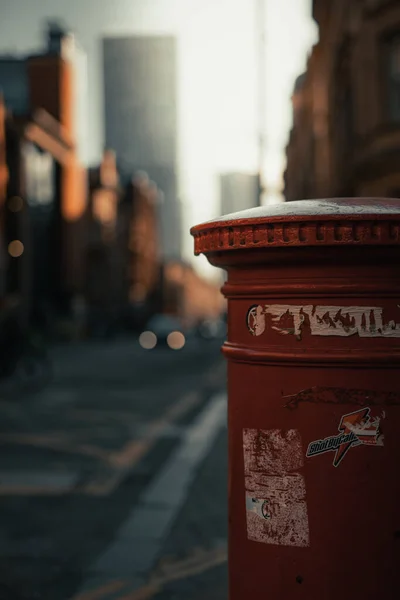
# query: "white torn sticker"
(276, 509)
(340, 321)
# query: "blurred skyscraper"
(238, 191)
(140, 93)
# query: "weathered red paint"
(312, 474)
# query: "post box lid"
(335, 221)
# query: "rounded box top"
(335, 221)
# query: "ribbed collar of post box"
(332, 222)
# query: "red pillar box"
(313, 354)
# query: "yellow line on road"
(196, 564)
(180, 570)
(121, 461)
(60, 442)
(102, 591)
(134, 450)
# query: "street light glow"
(15, 248)
(176, 340)
(148, 340)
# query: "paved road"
(113, 478)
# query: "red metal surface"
(314, 397)
(335, 222)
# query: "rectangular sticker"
(276, 509)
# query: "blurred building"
(54, 79)
(345, 138)
(238, 191)
(46, 190)
(188, 295)
(36, 153)
(122, 253)
(104, 265)
(144, 248)
(3, 195)
(140, 91)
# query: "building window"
(393, 77)
(39, 177)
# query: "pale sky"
(217, 70)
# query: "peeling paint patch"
(339, 321)
(276, 509)
(337, 395)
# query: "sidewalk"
(193, 562)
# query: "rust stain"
(337, 395)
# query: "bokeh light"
(148, 340)
(176, 340)
(15, 248)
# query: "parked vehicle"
(163, 330)
(211, 329)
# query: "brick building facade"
(35, 157)
(46, 191)
(77, 243)
(345, 139)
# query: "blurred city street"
(136, 139)
(113, 477)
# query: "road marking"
(198, 562)
(120, 462)
(140, 538)
(98, 414)
(124, 460)
(55, 441)
(180, 570)
(34, 483)
(103, 591)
